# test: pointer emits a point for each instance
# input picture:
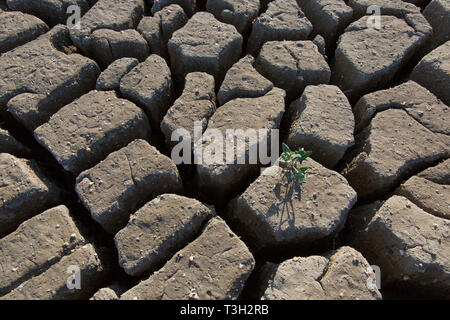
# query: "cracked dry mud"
(87, 177)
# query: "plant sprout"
(292, 160)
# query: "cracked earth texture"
(87, 177)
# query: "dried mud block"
(341, 275)
(197, 103)
(204, 44)
(322, 121)
(438, 174)
(24, 192)
(438, 15)
(52, 284)
(87, 130)
(124, 181)
(433, 72)
(189, 6)
(243, 81)
(17, 28)
(116, 15)
(283, 20)
(40, 77)
(401, 9)
(149, 85)
(357, 75)
(37, 244)
(157, 30)
(319, 41)
(239, 13)
(277, 213)
(292, 65)
(105, 294)
(9, 144)
(410, 245)
(158, 230)
(397, 8)
(430, 190)
(110, 78)
(329, 18)
(108, 45)
(51, 11)
(420, 104)
(215, 266)
(389, 150)
(220, 175)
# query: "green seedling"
(292, 160)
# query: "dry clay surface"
(110, 159)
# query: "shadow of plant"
(285, 191)
(293, 176)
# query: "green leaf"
(285, 147)
(291, 160)
(300, 178)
